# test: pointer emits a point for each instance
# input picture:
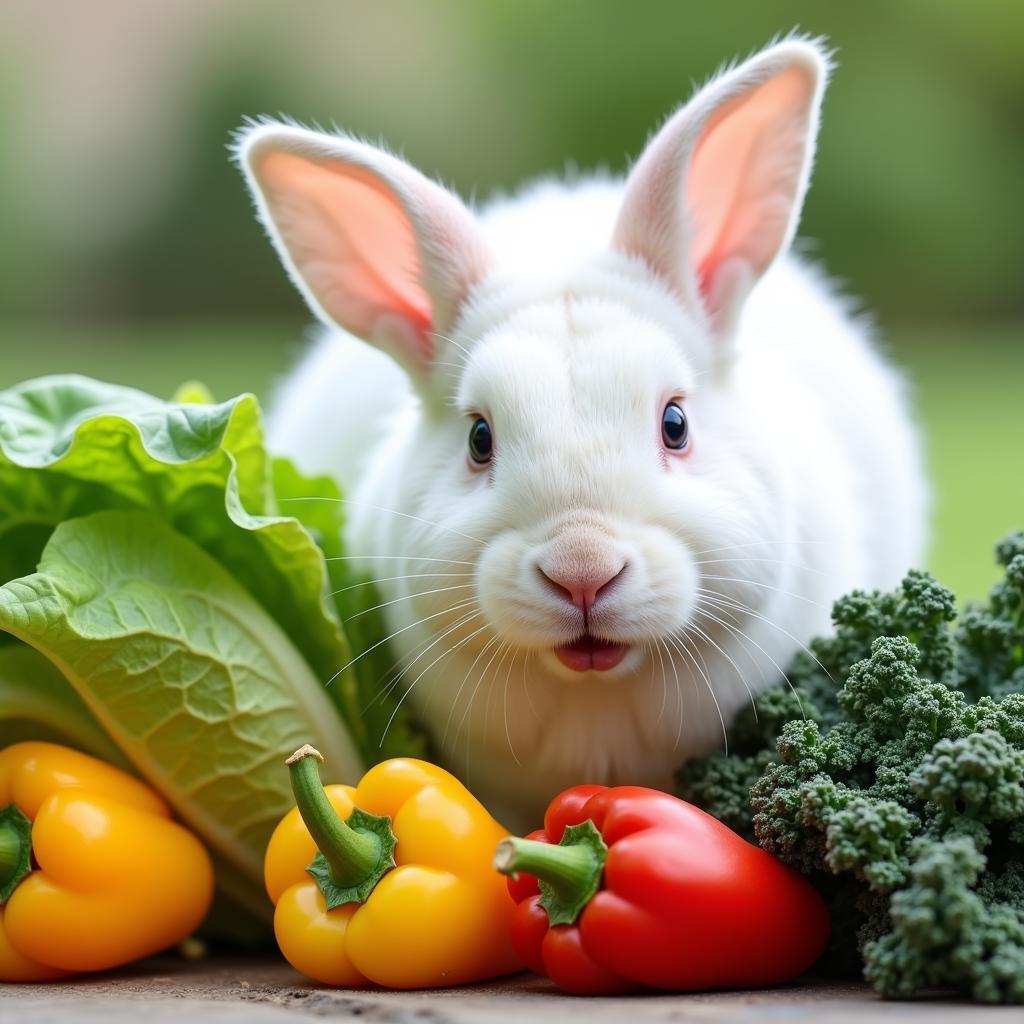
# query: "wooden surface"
(265, 990)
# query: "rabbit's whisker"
(747, 610)
(725, 654)
(764, 586)
(451, 711)
(703, 610)
(679, 642)
(409, 597)
(504, 706)
(707, 611)
(509, 648)
(394, 671)
(390, 511)
(679, 694)
(464, 720)
(412, 685)
(664, 680)
(530, 655)
(755, 544)
(750, 558)
(399, 670)
(391, 636)
(408, 576)
(402, 558)
(451, 341)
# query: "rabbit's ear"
(716, 195)
(372, 244)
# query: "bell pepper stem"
(568, 875)
(353, 855)
(15, 849)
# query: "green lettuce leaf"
(191, 677)
(38, 703)
(364, 690)
(70, 446)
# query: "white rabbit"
(633, 452)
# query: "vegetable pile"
(892, 773)
(166, 605)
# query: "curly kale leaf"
(990, 636)
(978, 776)
(878, 686)
(870, 838)
(897, 786)
(720, 783)
(945, 934)
(920, 610)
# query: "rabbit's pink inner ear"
(746, 174)
(354, 246)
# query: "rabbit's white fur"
(804, 479)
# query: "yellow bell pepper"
(116, 878)
(402, 892)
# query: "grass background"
(967, 386)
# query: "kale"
(891, 772)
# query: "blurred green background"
(129, 251)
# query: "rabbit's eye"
(675, 431)
(481, 441)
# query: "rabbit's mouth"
(590, 653)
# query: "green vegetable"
(165, 603)
(893, 774)
(38, 702)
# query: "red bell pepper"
(644, 890)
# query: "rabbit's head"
(575, 449)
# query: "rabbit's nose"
(581, 587)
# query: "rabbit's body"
(802, 481)
(848, 513)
